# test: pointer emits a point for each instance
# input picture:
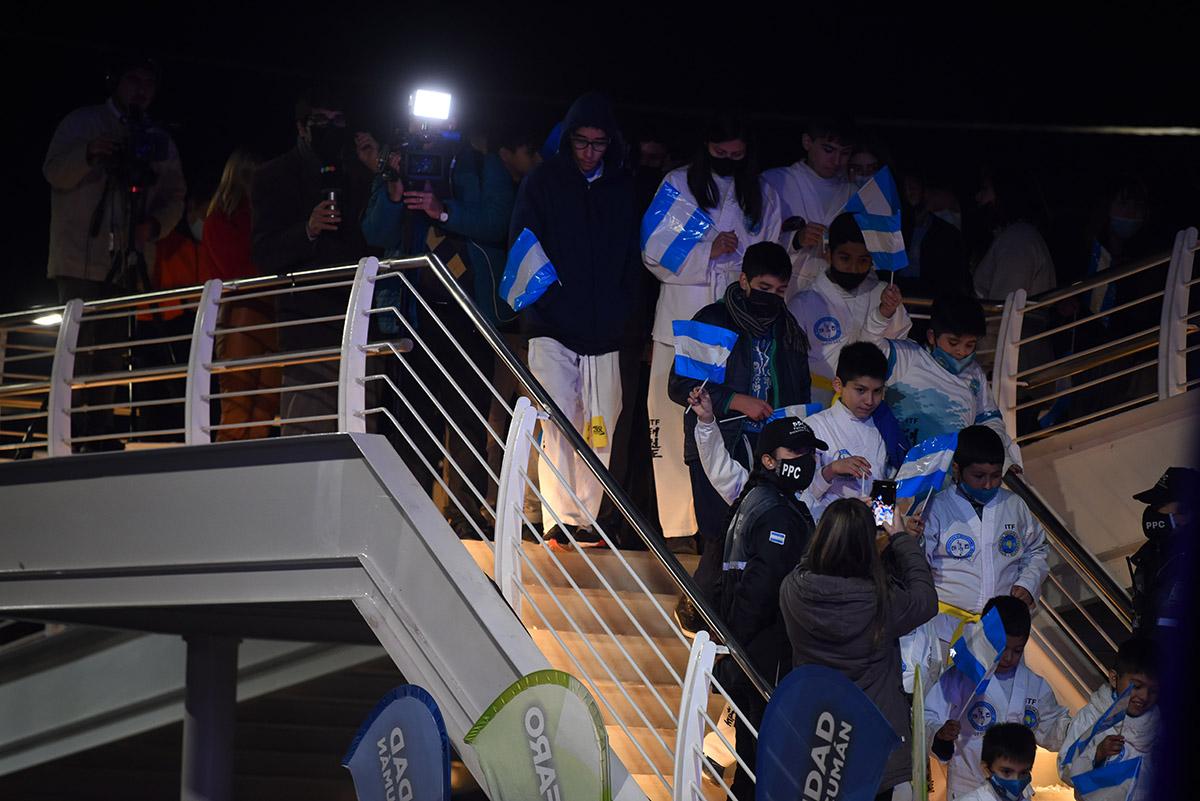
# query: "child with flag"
(989, 684)
(694, 237)
(1007, 756)
(846, 303)
(980, 538)
(766, 369)
(1119, 724)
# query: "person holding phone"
(849, 602)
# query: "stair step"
(637, 648)
(622, 745)
(645, 700)
(653, 613)
(643, 564)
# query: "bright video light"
(49, 319)
(431, 105)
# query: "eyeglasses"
(596, 145)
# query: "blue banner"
(821, 738)
(401, 752)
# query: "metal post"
(510, 500)
(689, 737)
(1172, 336)
(1008, 357)
(352, 372)
(58, 419)
(197, 407)
(211, 696)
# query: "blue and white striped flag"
(978, 650)
(1115, 781)
(701, 350)
(671, 227)
(527, 273)
(876, 209)
(799, 411)
(1111, 717)
(926, 466)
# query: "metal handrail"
(653, 542)
(1103, 278)
(1081, 560)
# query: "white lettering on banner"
(824, 783)
(392, 767)
(539, 744)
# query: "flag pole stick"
(703, 384)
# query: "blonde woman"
(226, 243)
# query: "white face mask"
(197, 227)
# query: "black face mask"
(1155, 523)
(725, 167)
(794, 475)
(847, 281)
(764, 305)
(328, 142)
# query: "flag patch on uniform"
(777, 537)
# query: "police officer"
(768, 533)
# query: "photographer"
(116, 187)
(295, 226)
(467, 228)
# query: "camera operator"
(116, 187)
(467, 228)
(296, 226)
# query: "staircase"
(547, 632)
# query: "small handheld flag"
(1110, 719)
(701, 349)
(1115, 781)
(926, 466)
(672, 227)
(977, 652)
(527, 273)
(876, 209)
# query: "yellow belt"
(964, 617)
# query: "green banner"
(543, 738)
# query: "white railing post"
(352, 371)
(510, 498)
(58, 402)
(197, 415)
(1172, 334)
(689, 737)
(1008, 352)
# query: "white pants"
(672, 484)
(588, 390)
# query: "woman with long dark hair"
(723, 180)
(849, 602)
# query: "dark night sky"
(232, 71)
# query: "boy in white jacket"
(857, 453)
(1009, 750)
(1128, 738)
(724, 174)
(846, 303)
(980, 538)
(956, 718)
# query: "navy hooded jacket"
(590, 234)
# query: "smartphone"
(883, 502)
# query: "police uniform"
(1021, 697)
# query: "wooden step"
(642, 564)
(606, 648)
(624, 749)
(645, 700)
(560, 606)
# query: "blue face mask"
(1010, 789)
(955, 366)
(981, 496)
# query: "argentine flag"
(1115, 781)
(799, 410)
(1111, 717)
(926, 466)
(527, 273)
(876, 209)
(701, 350)
(977, 651)
(671, 227)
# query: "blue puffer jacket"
(590, 234)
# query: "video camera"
(427, 144)
(144, 145)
